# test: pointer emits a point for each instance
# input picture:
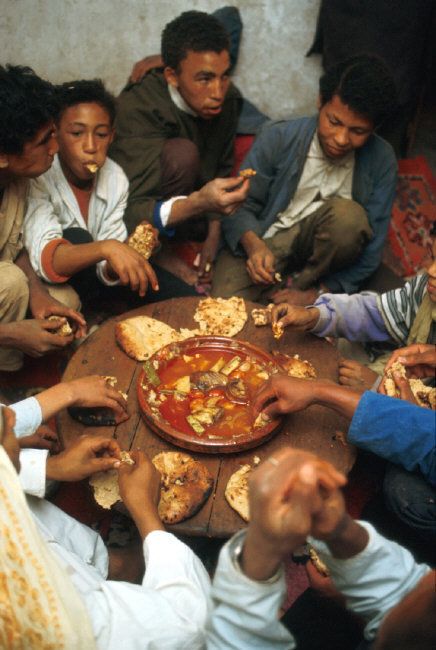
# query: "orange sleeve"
(47, 260)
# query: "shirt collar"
(180, 102)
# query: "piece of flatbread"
(142, 336)
(424, 395)
(143, 240)
(185, 485)
(262, 316)
(236, 491)
(221, 317)
(299, 368)
(64, 329)
(277, 330)
(92, 167)
(247, 173)
(105, 484)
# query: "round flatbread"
(237, 491)
(142, 336)
(186, 484)
(221, 317)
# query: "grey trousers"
(327, 240)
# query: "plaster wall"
(69, 39)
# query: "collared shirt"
(180, 102)
(322, 179)
(245, 613)
(168, 610)
(52, 207)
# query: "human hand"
(34, 337)
(129, 266)
(84, 457)
(223, 195)
(43, 438)
(42, 305)
(140, 491)
(287, 494)
(402, 385)
(208, 253)
(282, 394)
(95, 391)
(143, 66)
(261, 263)
(298, 317)
(419, 360)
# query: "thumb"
(103, 464)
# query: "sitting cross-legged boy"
(404, 316)
(27, 147)
(74, 228)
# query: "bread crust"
(185, 485)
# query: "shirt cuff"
(28, 416)
(47, 260)
(103, 277)
(33, 471)
(162, 213)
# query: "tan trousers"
(327, 240)
(14, 301)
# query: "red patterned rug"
(413, 211)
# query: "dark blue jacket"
(396, 430)
(278, 156)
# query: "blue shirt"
(396, 430)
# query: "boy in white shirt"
(74, 222)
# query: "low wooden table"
(316, 429)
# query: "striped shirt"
(400, 306)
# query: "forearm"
(349, 539)
(342, 400)
(145, 517)
(356, 317)
(23, 262)
(183, 209)
(70, 259)
(251, 242)
(55, 399)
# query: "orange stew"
(208, 393)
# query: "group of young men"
(78, 173)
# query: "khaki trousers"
(14, 302)
(326, 241)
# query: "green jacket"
(146, 117)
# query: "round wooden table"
(316, 429)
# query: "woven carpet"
(413, 211)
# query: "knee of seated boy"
(65, 294)
(14, 288)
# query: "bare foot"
(295, 296)
(127, 563)
(355, 374)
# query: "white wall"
(69, 39)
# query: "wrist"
(259, 559)
(53, 469)
(251, 243)
(313, 317)
(348, 539)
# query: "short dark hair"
(364, 83)
(192, 30)
(85, 91)
(27, 104)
